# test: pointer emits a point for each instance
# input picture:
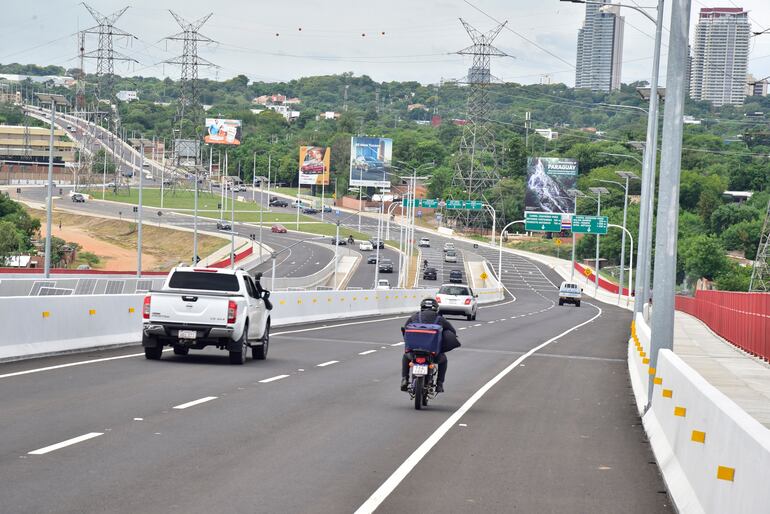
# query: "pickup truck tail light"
(232, 311)
(146, 307)
(467, 301)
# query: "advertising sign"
(370, 161)
(548, 182)
(222, 132)
(314, 165)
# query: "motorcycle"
(423, 371)
(350, 240)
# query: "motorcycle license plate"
(188, 334)
(419, 370)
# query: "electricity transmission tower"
(189, 111)
(476, 176)
(105, 55)
(760, 272)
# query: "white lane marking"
(397, 344)
(367, 352)
(382, 492)
(70, 364)
(490, 322)
(195, 402)
(68, 442)
(138, 419)
(324, 364)
(273, 379)
(477, 325)
(332, 326)
(462, 328)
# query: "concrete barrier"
(714, 457)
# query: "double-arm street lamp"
(598, 192)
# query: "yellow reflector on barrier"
(657, 380)
(91, 312)
(652, 371)
(131, 310)
(642, 354)
(46, 314)
(667, 393)
(698, 436)
(299, 302)
(725, 473)
(680, 411)
(645, 361)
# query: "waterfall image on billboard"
(548, 181)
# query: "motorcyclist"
(429, 314)
(425, 264)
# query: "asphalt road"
(298, 261)
(321, 425)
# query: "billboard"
(370, 161)
(548, 182)
(314, 165)
(222, 132)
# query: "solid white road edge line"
(272, 379)
(68, 442)
(70, 364)
(324, 364)
(195, 402)
(382, 492)
(367, 352)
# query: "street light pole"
(141, 211)
(500, 251)
(336, 251)
(598, 191)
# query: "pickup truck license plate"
(188, 334)
(419, 370)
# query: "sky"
(394, 40)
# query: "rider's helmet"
(429, 304)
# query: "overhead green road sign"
(421, 202)
(471, 205)
(542, 222)
(589, 224)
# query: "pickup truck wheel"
(260, 352)
(240, 357)
(577, 303)
(153, 353)
(561, 302)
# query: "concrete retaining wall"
(713, 455)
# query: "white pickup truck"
(199, 307)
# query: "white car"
(450, 256)
(424, 242)
(449, 246)
(457, 299)
(365, 246)
(382, 284)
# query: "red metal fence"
(604, 284)
(741, 318)
(238, 257)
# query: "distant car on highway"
(450, 256)
(310, 210)
(386, 266)
(424, 242)
(449, 246)
(383, 284)
(278, 229)
(377, 243)
(223, 225)
(457, 299)
(456, 276)
(78, 198)
(339, 242)
(279, 203)
(327, 208)
(127, 174)
(372, 259)
(365, 246)
(429, 274)
(570, 292)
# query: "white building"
(600, 48)
(549, 134)
(285, 111)
(720, 55)
(755, 87)
(127, 96)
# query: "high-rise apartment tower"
(600, 48)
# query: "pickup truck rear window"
(203, 281)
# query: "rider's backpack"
(425, 337)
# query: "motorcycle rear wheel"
(419, 392)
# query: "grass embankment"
(208, 205)
(167, 247)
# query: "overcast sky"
(387, 40)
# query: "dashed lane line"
(64, 444)
(401, 343)
(195, 402)
(367, 352)
(273, 379)
(327, 363)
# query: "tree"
(703, 256)
(11, 240)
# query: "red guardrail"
(238, 257)
(604, 284)
(741, 318)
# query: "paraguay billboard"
(548, 182)
(314, 165)
(370, 159)
(222, 132)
